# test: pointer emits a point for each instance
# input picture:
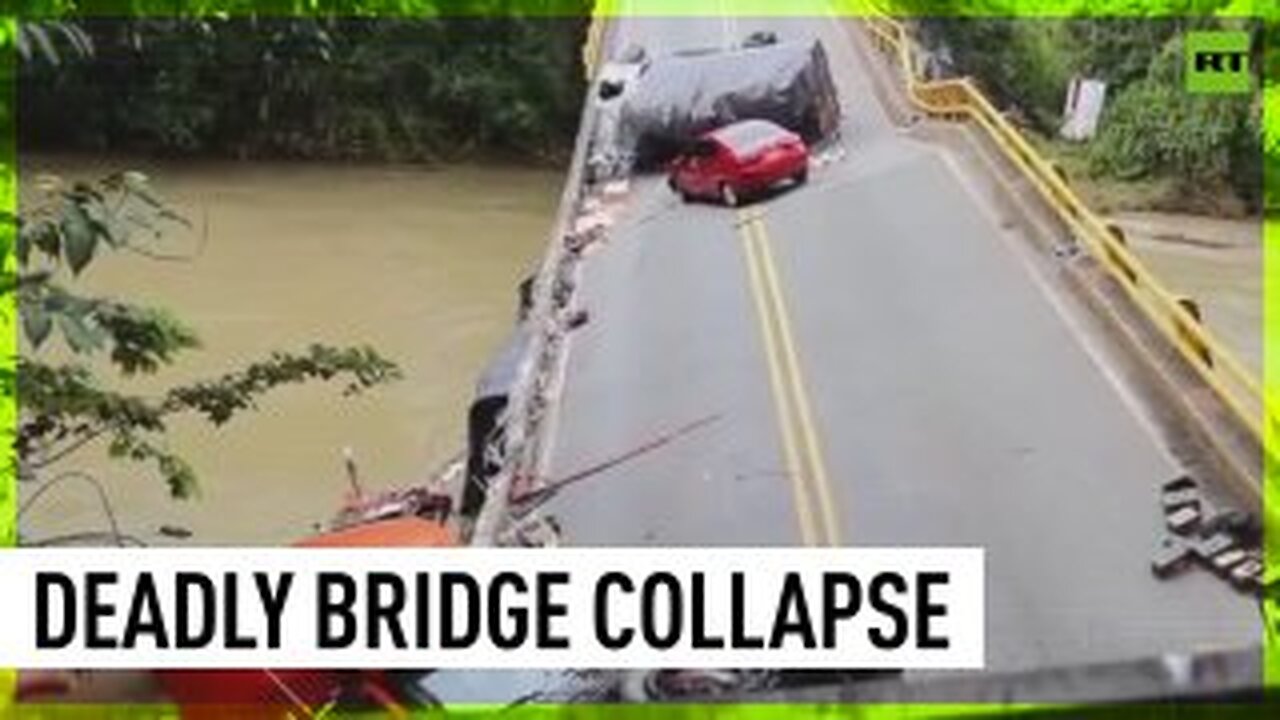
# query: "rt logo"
(1218, 62)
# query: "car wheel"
(675, 188)
(728, 195)
(802, 177)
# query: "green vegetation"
(340, 86)
(304, 87)
(77, 396)
(1157, 145)
(67, 405)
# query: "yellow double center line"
(802, 451)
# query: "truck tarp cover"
(681, 97)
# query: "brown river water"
(420, 263)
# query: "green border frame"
(8, 302)
(1267, 11)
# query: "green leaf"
(174, 216)
(143, 339)
(43, 235)
(81, 239)
(136, 183)
(81, 337)
(36, 323)
(100, 221)
(118, 448)
(179, 476)
(22, 248)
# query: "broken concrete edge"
(1222, 540)
(1183, 520)
(526, 404)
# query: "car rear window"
(746, 137)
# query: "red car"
(739, 159)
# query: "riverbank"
(422, 264)
(1217, 262)
(1154, 196)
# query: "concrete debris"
(535, 531)
(1242, 525)
(674, 685)
(1182, 482)
(1175, 499)
(1247, 575)
(1228, 559)
(576, 319)
(1183, 520)
(1171, 558)
(829, 157)
(1181, 501)
(595, 213)
(576, 243)
(563, 287)
(591, 222)
(1178, 492)
(1208, 548)
(1221, 540)
(1066, 250)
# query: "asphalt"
(882, 365)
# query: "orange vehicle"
(306, 693)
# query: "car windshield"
(749, 136)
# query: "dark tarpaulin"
(681, 97)
(484, 420)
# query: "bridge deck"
(888, 368)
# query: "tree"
(1200, 146)
(1154, 128)
(314, 86)
(66, 406)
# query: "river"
(420, 263)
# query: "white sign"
(1085, 98)
(493, 608)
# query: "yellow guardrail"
(1175, 316)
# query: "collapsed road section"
(884, 356)
(641, 112)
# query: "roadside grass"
(1109, 195)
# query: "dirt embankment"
(1217, 262)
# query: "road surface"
(885, 367)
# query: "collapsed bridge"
(932, 343)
